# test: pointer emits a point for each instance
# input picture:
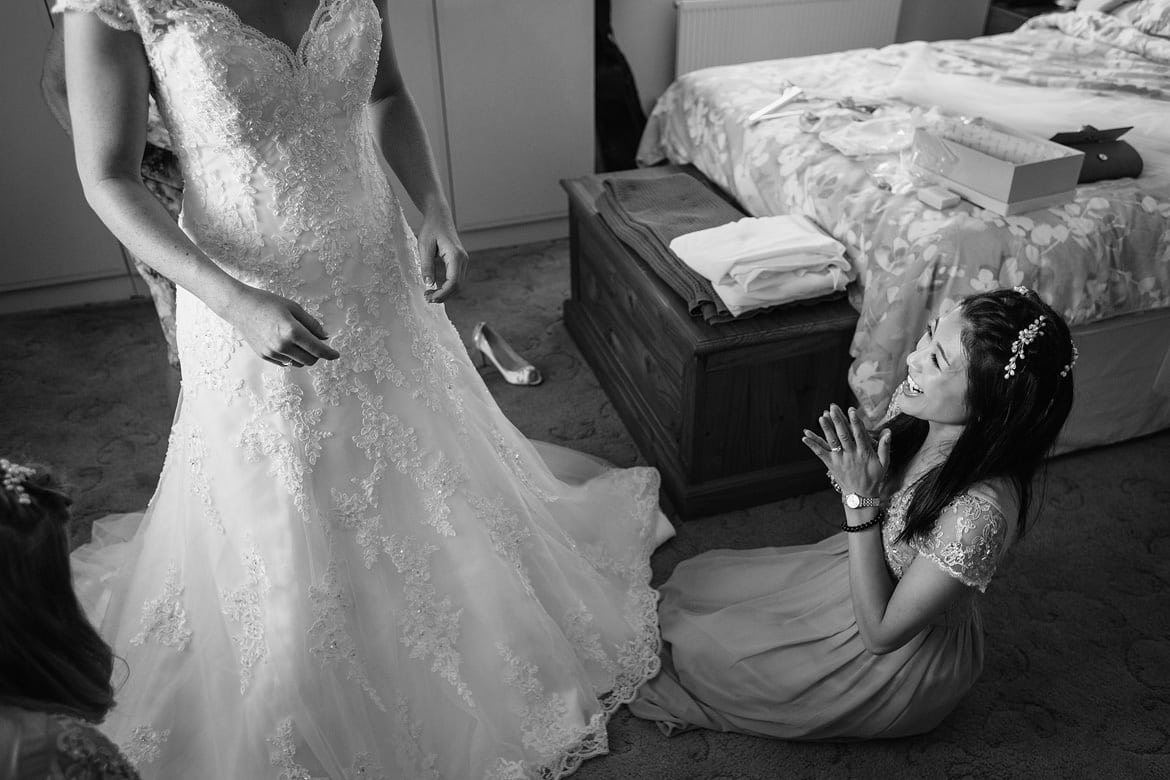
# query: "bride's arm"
(108, 80)
(403, 140)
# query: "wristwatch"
(854, 501)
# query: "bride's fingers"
(812, 439)
(841, 426)
(860, 434)
(817, 445)
(830, 431)
(444, 292)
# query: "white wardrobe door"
(412, 28)
(50, 240)
(518, 92)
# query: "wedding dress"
(360, 569)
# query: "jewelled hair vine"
(1069, 366)
(14, 477)
(1027, 336)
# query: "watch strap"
(861, 501)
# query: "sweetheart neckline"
(295, 56)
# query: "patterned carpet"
(1077, 683)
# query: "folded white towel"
(765, 261)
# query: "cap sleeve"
(115, 13)
(968, 541)
(83, 751)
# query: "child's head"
(50, 652)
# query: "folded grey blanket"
(647, 214)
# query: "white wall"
(645, 32)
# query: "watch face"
(852, 501)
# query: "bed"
(1102, 258)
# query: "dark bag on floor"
(1106, 156)
(618, 111)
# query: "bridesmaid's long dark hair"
(51, 654)
(1012, 422)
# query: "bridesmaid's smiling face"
(935, 389)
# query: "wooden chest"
(718, 409)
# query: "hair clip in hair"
(1021, 289)
(1026, 337)
(1075, 354)
(14, 477)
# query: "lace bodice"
(272, 142)
(968, 541)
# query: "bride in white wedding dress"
(353, 566)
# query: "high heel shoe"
(491, 346)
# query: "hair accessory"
(1021, 289)
(1026, 337)
(1075, 354)
(14, 477)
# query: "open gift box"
(1001, 169)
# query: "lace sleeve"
(83, 751)
(968, 540)
(115, 13)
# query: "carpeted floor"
(1077, 683)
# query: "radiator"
(726, 32)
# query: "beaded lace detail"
(200, 484)
(967, 542)
(164, 619)
(145, 744)
(515, 462)
(331, 641)
(544, 715)
(507, 532)
(430, 623)
(244, 605)
(81, 751)
(282, 753)
(412, 758)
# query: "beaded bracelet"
(877, 519)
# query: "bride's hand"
(440, 250)
(279, 330)
(847, 451)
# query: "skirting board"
(55, 296)
(511, 235)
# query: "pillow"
(1151, 17)
(1099, 6)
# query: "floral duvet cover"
(1104, 254)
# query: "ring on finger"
(836, 448)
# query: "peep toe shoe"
(492, 347)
